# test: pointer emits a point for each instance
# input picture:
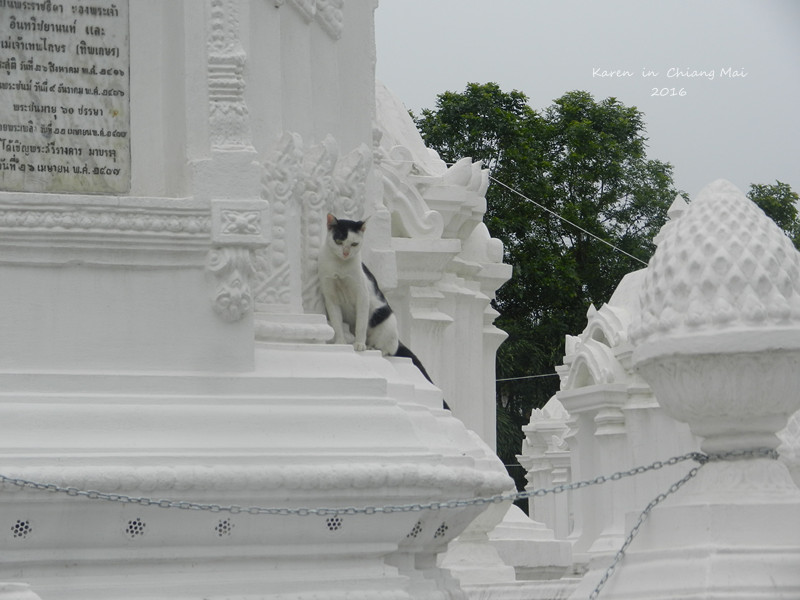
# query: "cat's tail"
(405, 352)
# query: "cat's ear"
(331, 221)
(363, 225)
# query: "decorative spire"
(722, 264)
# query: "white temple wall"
(92, 325)
(310, 75)
(167, 339)
(159, 119)
(447, 265)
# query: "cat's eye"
(354, 244)
(339, 242)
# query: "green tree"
(583, 160)
(780, 203)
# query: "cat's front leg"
(335, 319)
(362, 319)
(334, 316)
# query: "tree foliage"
(581, 159)
(780, 203)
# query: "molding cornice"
(329, 14)
(103, 230)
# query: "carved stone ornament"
(411, 216)
(608, 325)
(84, 219)
(594, 364)
(718, 338)
(330, 16)
(241, 222)
(306, 183)
(228, 115)
(316, 200)
(230, 269)
(151, 232)
(425, 197)
(237, 228)
(328, 13)
(279, 186)
(721, 265)
(350, 178)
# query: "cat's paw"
(359, 347)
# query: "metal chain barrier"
(699, 457)
(635, 529)
(369, 510)
(702, 460)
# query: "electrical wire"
(527, 377)
(555, 214)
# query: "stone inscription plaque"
(64, 96)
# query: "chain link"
(699, 457)
(368, 510)
(640, 521)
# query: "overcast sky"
(742, 125)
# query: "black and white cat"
(352, 296)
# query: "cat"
(352, 295)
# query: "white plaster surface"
(168, 342)
(17, 591)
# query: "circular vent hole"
(334, 523)
(21, 529)
(416, 530)
(135, 527)
(224, 527)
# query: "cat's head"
(345, 237)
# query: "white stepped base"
(560, 589)
(312, 426)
